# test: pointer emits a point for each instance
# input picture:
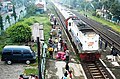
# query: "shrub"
(98, 15)
(19, 32)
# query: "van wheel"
(28, 62)
(9, 62)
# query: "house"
(41, 7)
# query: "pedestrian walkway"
(55, 67)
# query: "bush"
(19, 32)
(98, 15)
(29, 21)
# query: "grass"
(103, 21)
(47, 26)
(43, 19)
(31, 71)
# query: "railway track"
(106, 33)
(93, 70)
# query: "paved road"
(10, 71)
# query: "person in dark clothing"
(21, 77)
(100, 41)
(67, 55)
(55, 22)
(114, 53)
(65, 47)
(61, 42)
(67, 66)
(106, 44)
(36, 77)
(65, 75)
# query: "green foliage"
(1, 23)
(31, 70)
(115, 8)
(98, 15)
(31, 9)
(3, 41)
(8, 18)
(103, 21)
(20, 32)
(29, 21)
(112, 5)
(14, 13)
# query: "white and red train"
(84, 37)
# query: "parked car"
(12, 54)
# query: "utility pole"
(39, 59)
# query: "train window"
(69, 23)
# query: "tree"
(14, 13)
(31, 8)
(115, 9)
(1, 23)
(13, 2)
(7, 19)
(20, 32)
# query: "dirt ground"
(11, 71)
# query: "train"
(84, 37)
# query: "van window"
(26, 52)
(16, 52)
(7, 52)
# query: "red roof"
(40, 5)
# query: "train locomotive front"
(83, 36)
(85, 39)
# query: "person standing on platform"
(114, 53)
(65, 47)
(61, 42)
(55, 21)
(100, 41)
(59, 32)
(67, 55)
(67, 66)
(105, 45)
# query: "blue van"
(12, 53)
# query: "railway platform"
(55, 68)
